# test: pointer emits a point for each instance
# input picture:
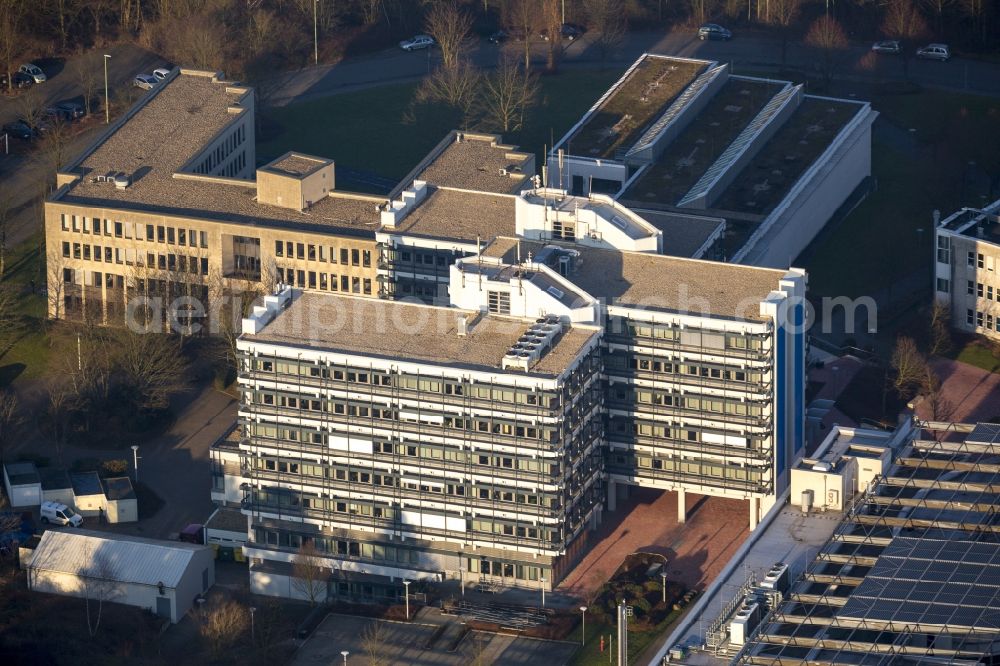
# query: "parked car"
(498, 37)
(888, 47)
(193, 533)
(569, 31)
(34, 71)
(161, 73)
(417, 42)
(60, 514)
(714, 31)
(20, 130)
(71, 110)
(145, 81)
(934, 52)
(21, 80)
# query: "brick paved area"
(974, 393)
(647, 521)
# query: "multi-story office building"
(403, 441)
(704, 361)
(683, 136)
(170, 202)
(483, 440)
(966, 264)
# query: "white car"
(935, 52)
(145, 81)
(60, 514)
(34, 71)
(161, 73)
(417, 42)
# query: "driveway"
(175, 465)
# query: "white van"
(60, 514)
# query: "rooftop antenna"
(518, 251)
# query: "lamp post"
(406, 585)
(253, 633)
(135, 461)
(107, 105)
(663, 585)
(583, 631)
(344, 653)
(542, 581)
(316, 32)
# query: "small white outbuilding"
(164, 576)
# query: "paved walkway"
(647, 521)
(972, 393)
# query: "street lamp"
(583, 632)
(406, 584)
(663, 585)
(253, 633)
(107, 105)
(344, 653)
(542, 581)
(135, 461)
(315, 32)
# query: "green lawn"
(978, 352)
(879, 240)
(28, 357)
(638, 641)
(371, 130)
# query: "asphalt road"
(753, 52)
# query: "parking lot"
(403, 643)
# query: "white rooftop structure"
(129, 559)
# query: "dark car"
(568, 31)
(21, 80)
(887, 47)
(193, 533)
(498, 37)
(20, 130)
(714, 31)
(71, 110)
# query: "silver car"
(934, 52)
(145, 81)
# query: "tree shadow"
(10, 372)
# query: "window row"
(622, 361)
(313, 280)
(135, 231)
(692, 467)
(694, 337)
(338, 547)
(980, 290)
(981, 319)
(312, 252)
(130, 257)
(705, 404)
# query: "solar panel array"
(931, 582)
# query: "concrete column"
(681, 506)
(612, 495)
(754, 513)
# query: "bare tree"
(373, 640)
(59, 402)
(99, 586)
(11, 420)
(702, 10)
(55, 267)
(30, 105)
(782, 14)
(909, 366)
(150, 367)
(608, 19)
(225, 623)
(523, 18)
(507, 94)
(11, 33)
(828, 37)
(940, 407)
(939, 7)
(85, 72)
(54, 148)
(940, 333)
(450, 26)
(550, 17)
(904, 22)
(309, 575)
(457, 87)
(11, 323)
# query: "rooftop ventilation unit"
(122, 181)
(619, 222)
(532, 345)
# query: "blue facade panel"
(780, 390)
